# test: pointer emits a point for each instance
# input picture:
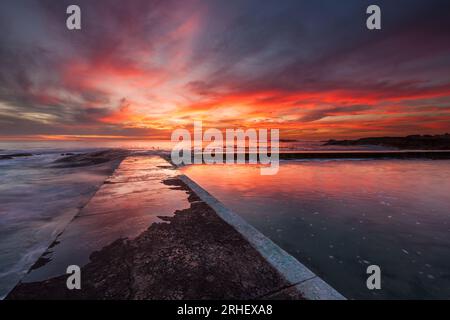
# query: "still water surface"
(339, 217)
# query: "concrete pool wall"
(301, 278)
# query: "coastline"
(191, 256)
(280, 276)
(412, 142)
(194, 254)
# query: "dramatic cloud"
(145, 67)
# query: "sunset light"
(148, 69)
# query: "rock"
(89, 159)
(14, 155)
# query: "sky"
(140, 69)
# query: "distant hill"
(418, 142)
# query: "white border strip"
(304, 280)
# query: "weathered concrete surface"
(193, 254)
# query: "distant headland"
(415, 142)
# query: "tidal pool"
(339, 217)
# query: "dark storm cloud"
(326, 45)
(322, 113)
